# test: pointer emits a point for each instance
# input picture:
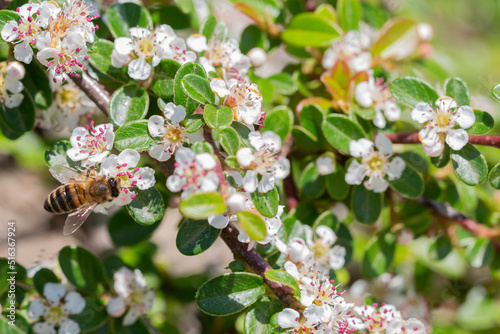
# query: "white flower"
(80, 15)
(377, 320)
(374, 164)
(59, 304)
(410, 326)
(441, 123)
(264, 161)
(291, 320)
(325, 254)
(124, 167)
(10, 84)
(171, 134)
(376, 95)
(71, 107)
(91, 144)
(193, 172)
(23, 33)
(243, 97)
(146, 48)
(132, 294)
(220, 53)
(351, 49)
(317, 291)
(325, 164)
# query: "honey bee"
(79, 194)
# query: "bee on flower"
(90, 144)
(265, 160)
(374, 164)
(55, 310)
(440, 125)
(145, 48)
(10, 84)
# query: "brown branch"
(412, 138)
(94, 90)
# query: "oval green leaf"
(124, 230)
(198, 88)
(164, 78)
(308, 29)
(93, 315)
(266, 203)
(378, 255)
(196, 236)
(282, 277)
(218, 118)
(202, 205)
(495, 176)
(349, 12)
(252, 224)
(480, 253)
(258, 317)
(129, 103)
(147, 207)
(82, 268)
(194, 123)
(335, 184)
(340, 130)
(180, 96)
(18, 120)
(483, 124)
(366, 204)
(470, 165)
(440, 248)
(122, 17)
(42, 277)
(230, 141)
(100, 59)
(457, 89)
(410, 184)
(280, 121)
(134, 135)
(311, 182)
(411, 91)
(56, 155)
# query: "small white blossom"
(193, 172)
(146, 48)
(10, 84)
(374, 164)
(265, 161)
(243, 97)
(375, 319)
(352, 49)
(91, 144)
(410, 326)
(376, 95)
(56, 308)
(441, 125)
(325, 164)
(132, 294)
(291, 320)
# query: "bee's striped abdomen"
(65, 199)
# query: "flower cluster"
(264, 161)
(91, 145)
(440, 125)
(132, 294)
(351, 48)
(374, 164)
(10, 84)
(71, 107)
(387, 319)
(58, 34)
(145, 48)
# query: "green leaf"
(129, 103)
(410, 184)
(457, 89)
(284, 278)
(147, 207)
(229, 293)
(124, 231)
(253, 37)
(327, 218)
(305, 139)
(81, 268)
(335, 184)
(252, 224)
(164, 78)
(378, 255)
(173, 15)
(198, 88)
(6, 325)
(209, 26)
(180, 96)
(194, 123)
(230, 141)
(366, 204)
(56, 155)
(202, 205)
(440, 248)
(42, 277)
(93, 315)
(196, 236)
(122, 17)
(340, 130)
(349, 12)
(443, 159)
(480, 253)
(495, 92)
(308, 29)
(397, 39)
(37, 84)
(6, 16)
(134, 135)
(364, 113)
(311, 182)
(100, 59)
(495, 176)
(483, 124)
(470, 165)
(258, 317)
(411, 91)
(218, 118)
(280, 121)
(18, 120)
(266, 203)
(311, 119)
(283, 83)
(138, 327)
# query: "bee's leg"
(90, 170)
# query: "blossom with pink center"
(193, 173)
(33, 18)
(374, 164)
(351, 48)
(265, 160)
(410, 326)
(10, 84)
(441, 125)
(377, 319)
(243, 97)
(91, 145)
(124, 168)
(374, 94)
(293, 322)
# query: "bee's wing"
(76, 219)
(64, 174)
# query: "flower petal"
(69, 326)
(44, 328)
(206, 160)
(465, 117)
(422, 113)
(245, 156)
(384, 145)
(156, 126)
(445, 103)
(363, 94)
(287, 318)
(139, 69)
(116, 307)
(376, 183)
(74, 302)
(197, 42)
(129, 157)
(219, 221)
(355, 173)
(219, 87)
(174, 113)
(326, 235)
(36, 309)
(160, 152)
(395, 168)
(379, 120)
(325, 165)
(360, 148)
(391, 111)
(433, 150)
(250, 181)
(457, 139)
(53, 292)
(428, 136)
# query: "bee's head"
(114, 183)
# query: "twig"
(94, 90)
(412, 138)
